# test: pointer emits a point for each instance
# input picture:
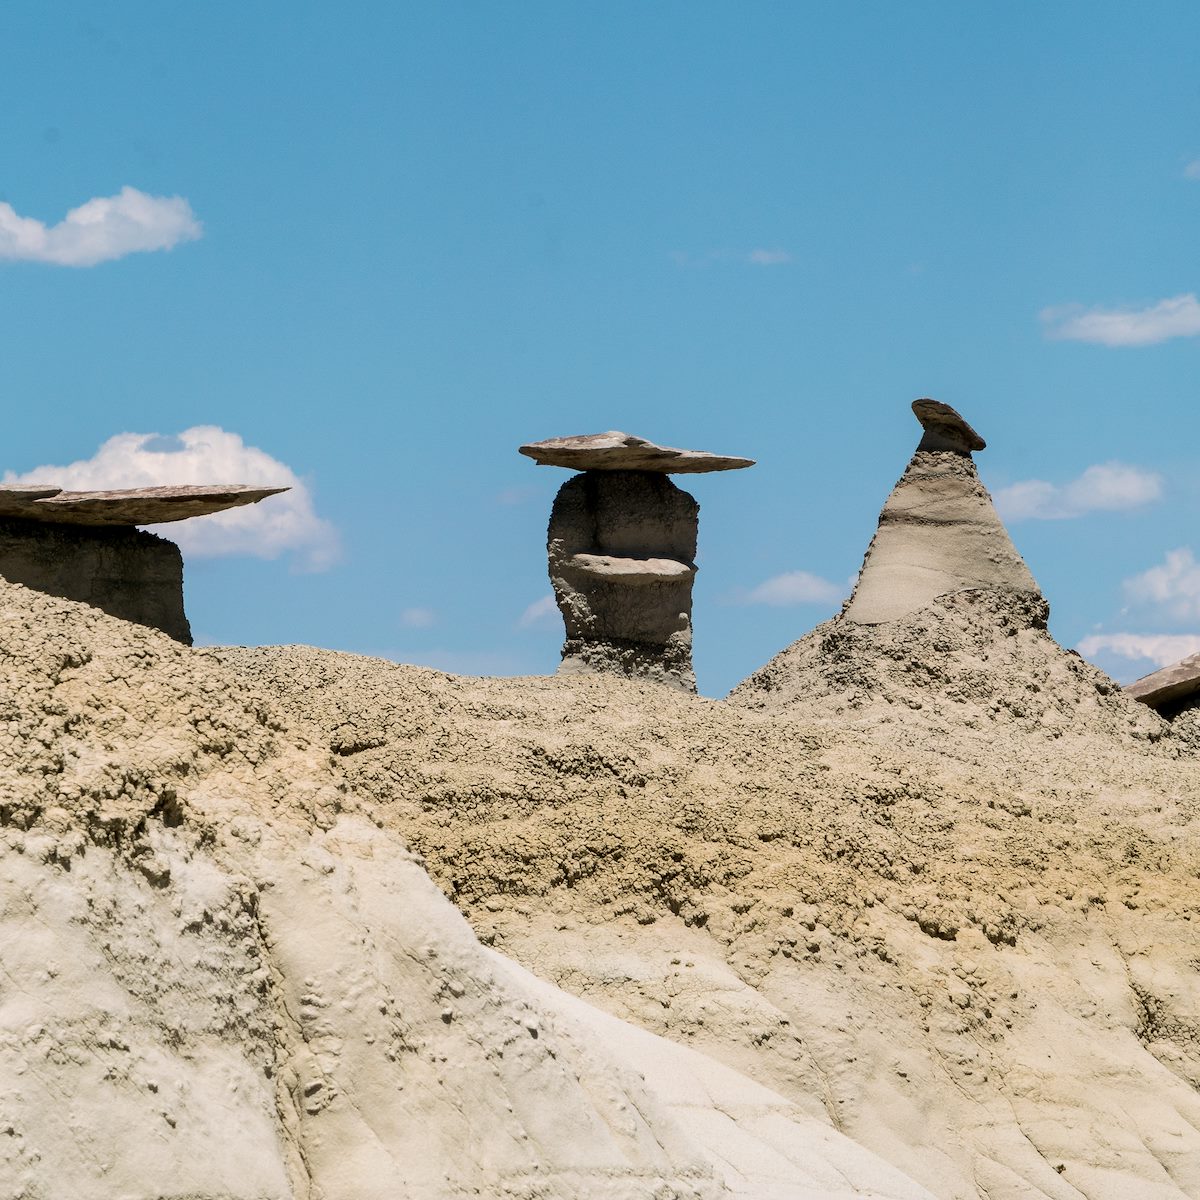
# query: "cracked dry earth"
(935, 882)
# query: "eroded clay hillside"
(223, 977)
(936, 881)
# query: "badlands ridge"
(913, 913)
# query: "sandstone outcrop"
(127, 572)
(1171, 690)
(912, 914)
(938, 531)
(621, 547)
(84, 545)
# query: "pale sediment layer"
(224, 977)
(905, 911)
(933, 881)
(938, 532)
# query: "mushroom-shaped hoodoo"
(86, 545)
(622, 550)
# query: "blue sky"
(406, 238)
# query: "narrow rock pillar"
(622, 547)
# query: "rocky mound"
(223, 980)
(880, 880)
(970, 661)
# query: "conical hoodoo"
(938, 531)
(946, 628)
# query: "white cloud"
(795, 587)
(1105, 487)
(541, 613)
(104, 228)
(418, 618)
(207, 454)
(1161, 649)
(1192, 170)
(1177, 316)
(1173, 585)
(768, 258)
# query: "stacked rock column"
(621, 548)
(622, 551)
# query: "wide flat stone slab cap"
(945, 428)
(1168, 686)
(616, 451)
(132, 506)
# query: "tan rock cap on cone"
(939, 531)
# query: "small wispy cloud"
(768, 258)
(103, 229)
(1161, 649)
(1175, 317)
(512, 496)
(758, 257)
(794, 587)
(1172, 586)
(206, 454)
(1105, 487)
(1192, 169)
(418, 618)
(540, 614)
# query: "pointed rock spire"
(938, 531)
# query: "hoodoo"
(622, 549)
(86, 545)
(938, 531)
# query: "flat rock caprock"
(127, 506)
(945, 428)
(617, 451)
(86, 545)
(1170, 689)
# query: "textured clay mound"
(221, 980)
(896, 893)
(970, 661)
